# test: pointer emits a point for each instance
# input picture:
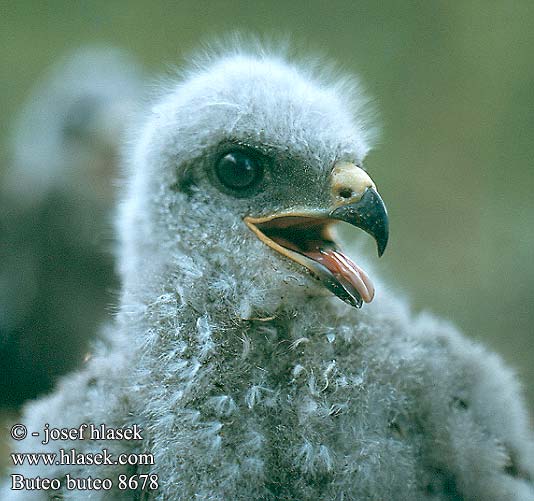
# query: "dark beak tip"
(382, 243)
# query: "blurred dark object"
(57, 278)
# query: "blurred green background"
(454, 85)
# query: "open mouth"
(307, 239)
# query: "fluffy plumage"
(249, 379)
(56, 269)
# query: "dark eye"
(239, 171)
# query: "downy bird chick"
(240, 348)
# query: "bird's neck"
(198, 320)
(230, 334)
(201, 354)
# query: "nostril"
(345, 193)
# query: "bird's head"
(69, 132)
(240, 176)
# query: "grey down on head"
(240, 348)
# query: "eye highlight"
(238, 171)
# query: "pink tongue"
(345, 270)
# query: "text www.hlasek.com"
(72, 457)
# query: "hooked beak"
(305, 236)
